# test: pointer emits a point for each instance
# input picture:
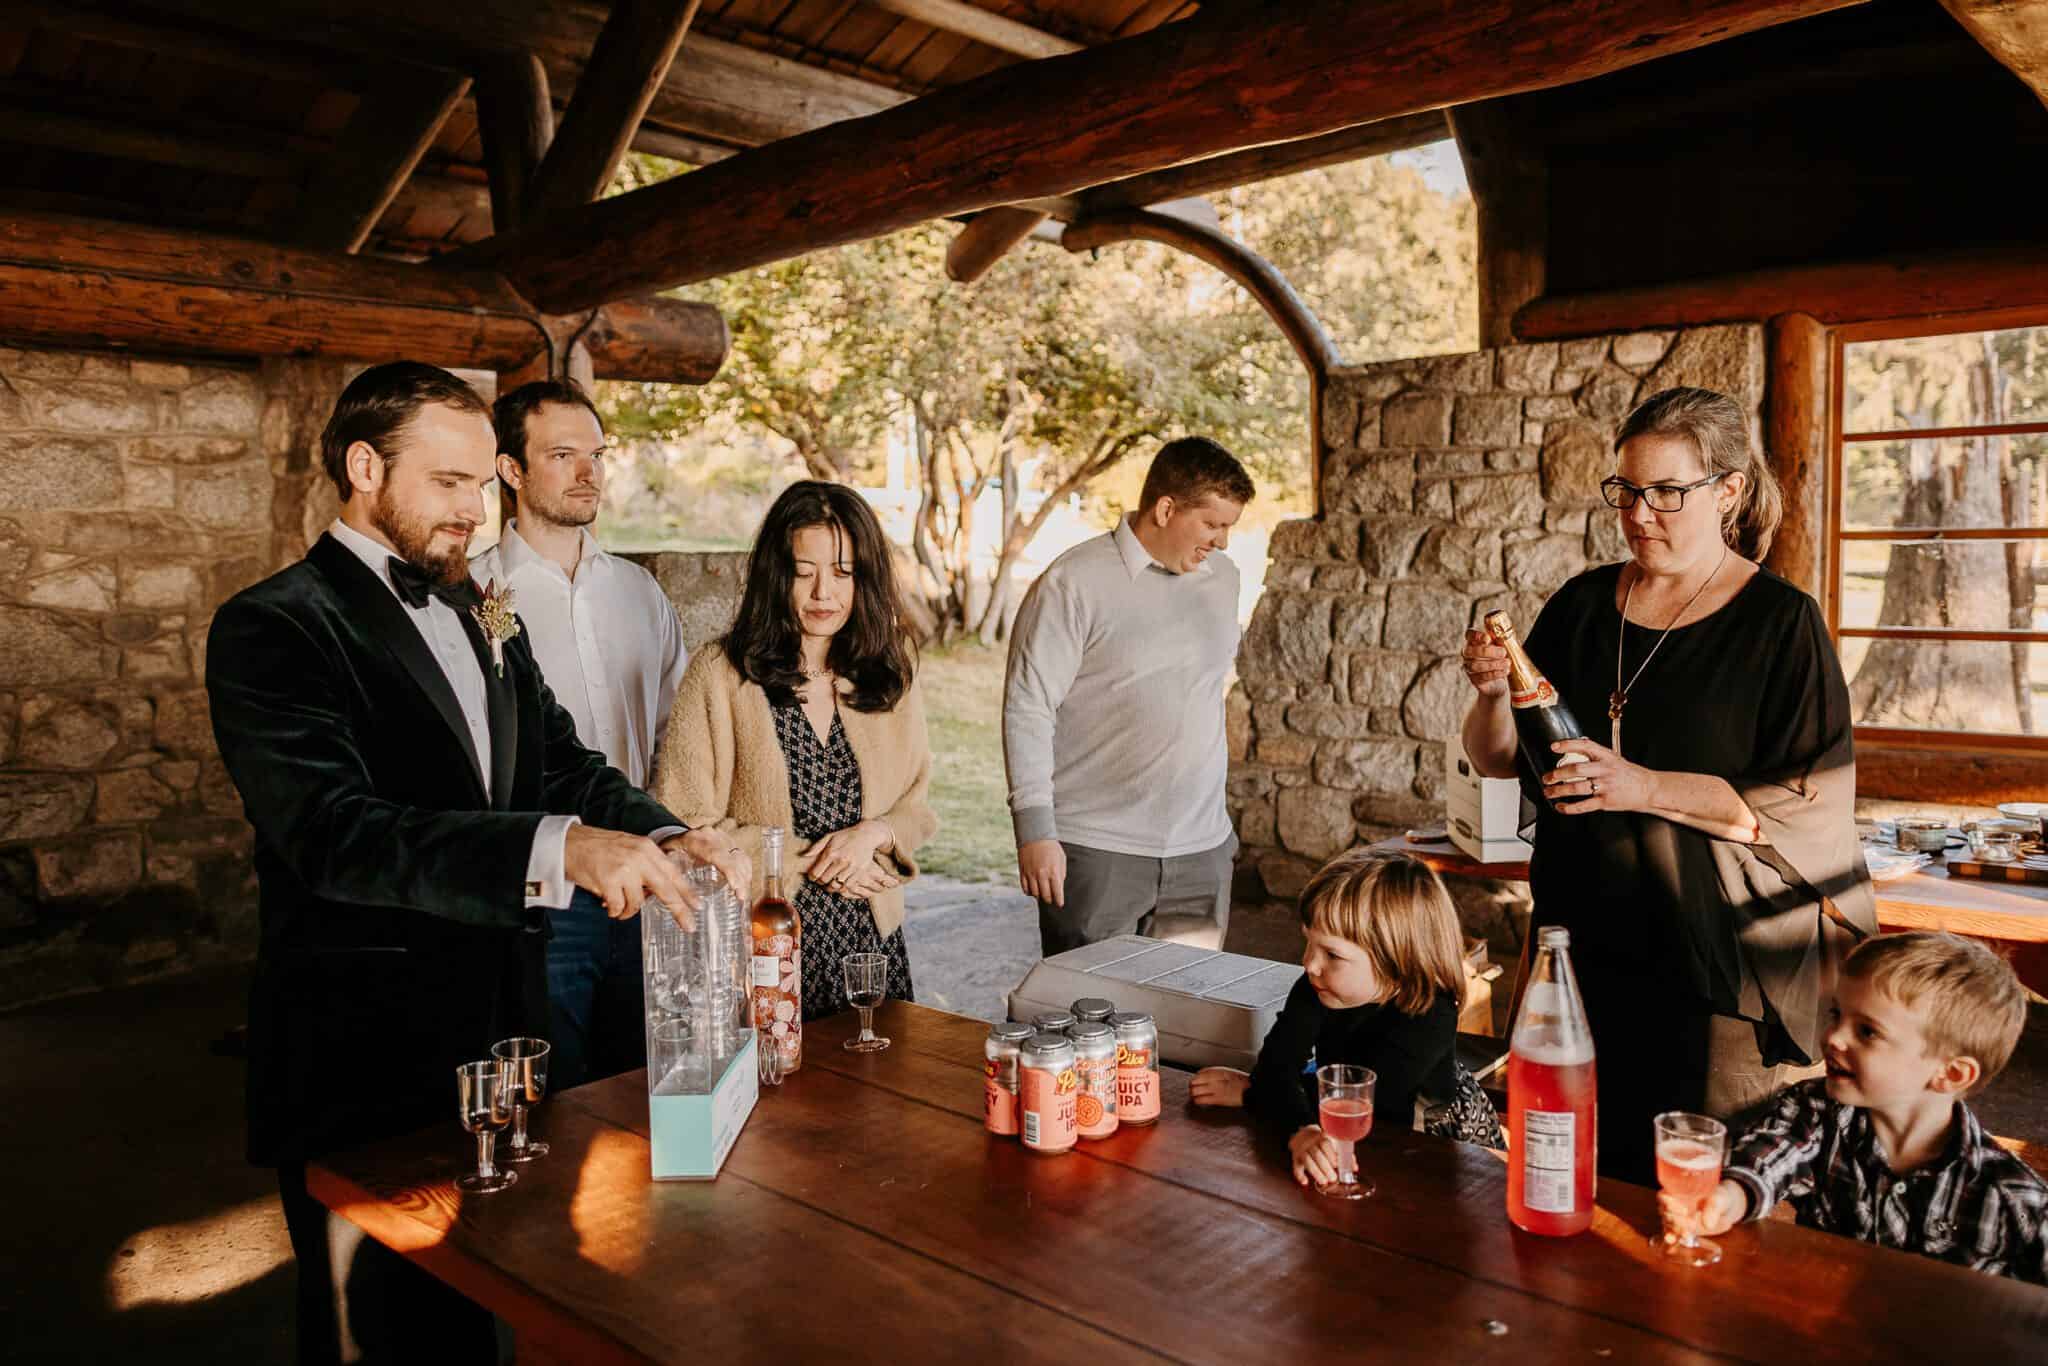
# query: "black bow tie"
(416, 585)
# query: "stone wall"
(137, 495)
(704, 586)
(1451, 486)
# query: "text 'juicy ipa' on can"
(1137, 1067)
(1047, 1087)
(1095, 1063)
(1000, 1054)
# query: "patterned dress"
(825, 795)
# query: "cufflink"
(533, 888)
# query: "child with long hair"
(1382, 983)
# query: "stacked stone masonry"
(139, 495)
(1451, 486)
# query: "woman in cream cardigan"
(808, 716)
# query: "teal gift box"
(702, 1070)
(691, 1134)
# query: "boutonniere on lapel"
(495, 615)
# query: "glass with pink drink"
(1344, 1111)
(1689, 1153)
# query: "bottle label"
(776, 977)
(1549, 1138)
(1542, 695)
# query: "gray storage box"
(1213, 1009)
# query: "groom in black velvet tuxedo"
(420, 803)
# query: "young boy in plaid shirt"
(1883, 1148)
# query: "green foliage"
(1064, 363)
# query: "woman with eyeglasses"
(1704, 857)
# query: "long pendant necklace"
(1618, 699)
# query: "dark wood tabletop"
(864, 1215)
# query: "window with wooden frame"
(1937, 520)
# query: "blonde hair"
(1396, 909)
(1968, 1000)
(1715, 425)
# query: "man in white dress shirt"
(1113, 715)
(611, 650)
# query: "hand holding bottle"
(1486, 664)
(1598, 780)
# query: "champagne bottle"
(1541, 717)
(776, 968)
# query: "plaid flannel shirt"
(1976, 1205)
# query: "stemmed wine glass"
(1690, 1150)
(1344, 1112)
(867, 982)
(483, 1096)
(526, 1080)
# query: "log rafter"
(2013, 31)
(67, 281)
(1246, 76)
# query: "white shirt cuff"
(547, 877)
(668, 832)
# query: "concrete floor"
(134, 1229)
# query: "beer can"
(1095, 1064)
(1046, 1092)
(1000, 1052)
(1093, 1008)
(1053, 1021)
(1137, 1067)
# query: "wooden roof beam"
(515, 118)
(1211, 174)
(983, 26)
(390, 131)
(2013, 31)
(627, 69)
(69, 281)
(1240, 77)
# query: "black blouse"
(1409, 1054)
(1753, 694)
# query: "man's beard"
(563, 511)
(414, 539)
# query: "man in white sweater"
(1113, 715)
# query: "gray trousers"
(1185, 899)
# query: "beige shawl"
(720, 765)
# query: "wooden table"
(864, 1215)
(2011, 915)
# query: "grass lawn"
(963, 691)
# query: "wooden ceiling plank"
(385, 139)
(1212, 85)
(628, 67)
(982, 26)
(2013, 31)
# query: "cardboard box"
(1482, 815)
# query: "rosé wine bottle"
(775, 971)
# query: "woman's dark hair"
(872, 651)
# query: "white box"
(1213, 1009)
(1482, 815)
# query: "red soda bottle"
(1552, 1102)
